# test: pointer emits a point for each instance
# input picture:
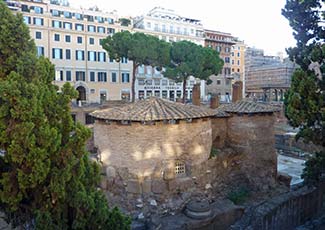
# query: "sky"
(258, 23)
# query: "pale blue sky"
(258, 22)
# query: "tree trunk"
(184, 90)
(133, 82)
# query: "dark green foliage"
(189, 59)
(46, 178)
(124, 21)
(239, 195)
(214, 152)
(305, 101)
(314, 171)
(140, 48)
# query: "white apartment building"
(70, 38)
(169, 26)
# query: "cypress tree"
(46, 178)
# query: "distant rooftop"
(249, 107)
(153, 109)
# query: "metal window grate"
(179, 168)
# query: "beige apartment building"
(238, 59)
(221, 84)
(70, 38)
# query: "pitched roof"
(153, 109)
(249, 107)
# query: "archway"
(82, 93)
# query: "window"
(79, 16)
(67, 25)
(67, 14)
(90, 18)
(100, 19)
(102, 76)
(218, 82)
(238, 70)
(218, 48)
(111, 59)
(26, 20)
(57, 37)
(125, 94)
(157, 82)
(40, 51)
(110, 21)
(125, 77)
(101, 29)
(163, 28)
(56, 24)
(68, 75)
(124, 60)
(80, 55)
(67, 54)
(79, 27)
(89, 119)
(55, 13)
(227, 49)
(227, 60)
(238, 54)
(80, 76)
(110, 31)
(156, 27)
(57, 53)
(91, 41)
(232, 54)
(91, 29)
(24, 8)
(67, 38)
(164, 82)
(101, 56)
(228, 81)
(38, 10)
(113, 77)
(140, 81)
(91, 56)
(232, 62)
(164, 94)
(59, 75)
(238, 62)
(79, 40)
(179, 168)
(38, 21)
(38, 35)
(227, 71)
(149, 82)
(92, 76)
(171, 29)
(148, 24)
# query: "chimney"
(237, 91)
(214, 102)
(196, 97)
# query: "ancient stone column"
(196, 97)
(237, 91)
(214, 102)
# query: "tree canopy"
(46, 178)
(305, 101)
(140, 48)
(189, 59)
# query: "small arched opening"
(82, 93)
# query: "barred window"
(179, 168)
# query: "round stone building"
(152, 140)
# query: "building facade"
(171, 27)
(70, 38)
(222, 42)
(266, 77)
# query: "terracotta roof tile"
(249, 107)
(153, 109)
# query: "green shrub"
(214, 152)
(239, 195)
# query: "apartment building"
(222, 83)
(171, 27)
(267, 77)
(70, 38)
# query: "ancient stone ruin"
(157, 154)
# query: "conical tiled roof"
(249, 107)
(153, 109)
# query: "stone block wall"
(253, 137)
(219, 132)
(146, 150)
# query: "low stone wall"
(284, 212)
(219, 132)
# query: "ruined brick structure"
(157, 153)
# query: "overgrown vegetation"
(305, 100)
(46, 178)
(214, 152)
(238, 196)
